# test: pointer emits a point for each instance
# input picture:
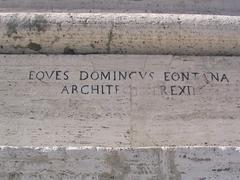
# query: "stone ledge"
(119, 33)
(76, 163)
(224, 7)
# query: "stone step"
(87, 163)
(222, 7)
(119, 33)
(165, 117)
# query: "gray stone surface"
(157, 107)
(226, 7)
(180, 163)
(84, 33)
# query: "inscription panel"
(119, 100)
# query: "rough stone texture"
(35, 113)
(227, 7)
(84, 33)
(181, 163)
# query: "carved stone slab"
(119, 100)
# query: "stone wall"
(151, 113)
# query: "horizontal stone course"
(119, 100)
(223, 7)
(87, 163)
(119, 33)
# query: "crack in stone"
(110, 36)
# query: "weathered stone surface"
(227, 7)
(180, 163)
(163, 100)
(119, 33)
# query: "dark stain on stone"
(34, 46)
(92, 45)
(18, 47)
(199, 159)
(68, 50)
(42, 159)
(59, 26)
(143, 168)
(39, 23)
(56, 39)
(118, 165)
(179, 21)
(106, 176)
(12, 27)
(220, 169)
(85, 23)
(14, 176)
(17, 37)
(174, 173)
